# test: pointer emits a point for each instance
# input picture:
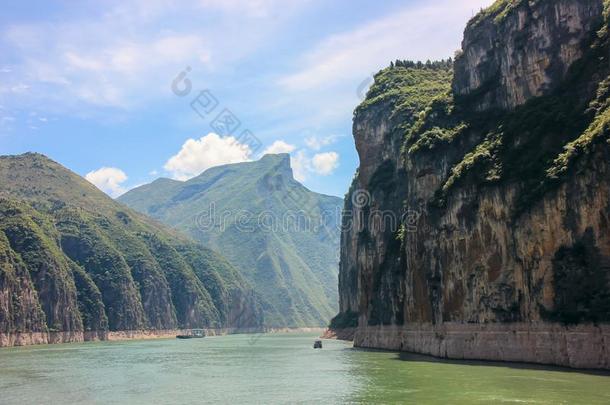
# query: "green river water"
(270, 369)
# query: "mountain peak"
(277, 156)
(280, 158)
(31, 156)
(279, 162)
(259, 217)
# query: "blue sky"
(90, 83)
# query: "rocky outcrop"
(474, 234)
(76, 265)
(19, 306)
(578, 346)
(521, 49)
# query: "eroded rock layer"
(479, 216)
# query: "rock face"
(521, 49)
(76, 265)
(478, 224)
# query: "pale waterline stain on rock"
(481, 268)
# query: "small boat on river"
(193, 334)
(317, 344)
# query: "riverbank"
(340, 334)
(578, 346)
(41, 338)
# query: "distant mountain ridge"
(282, 237)
(72, 260)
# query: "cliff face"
(499, 190)
(517, 50)
(76, 265)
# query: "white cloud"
(124, 54)
(325, 163)
(301, 166)
(211, 150)
(252, 8)
(20, 88)
(321, 163)
(121, 72)
(109, 180)
(317, 142)
(109, 70)
(429, 31)
(279, 147)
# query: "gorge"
(77, 265)
(503, 156)
(282, 237)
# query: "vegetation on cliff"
(94, 265)
(282, 237)
(499, 10)
(496, 165)
(536, 144)
(408, 88)
(20, 309)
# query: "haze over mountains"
(282, 237)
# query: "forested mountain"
(76, 262)
(281, 236)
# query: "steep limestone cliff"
(478, 224)
(520, 49)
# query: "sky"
(124, 92)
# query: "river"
(270, 369)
